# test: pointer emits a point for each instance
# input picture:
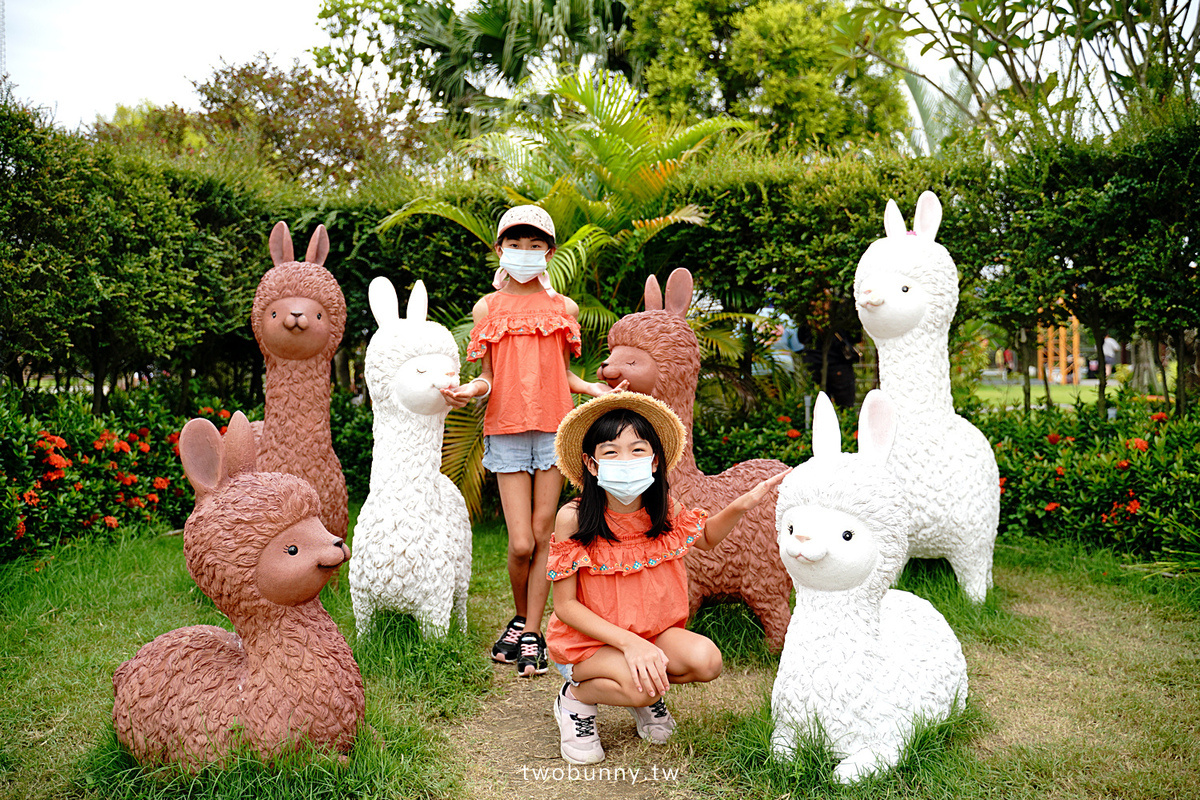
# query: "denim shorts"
(566, 670)
(519, 452)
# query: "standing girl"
(616, 560)
(525, 334)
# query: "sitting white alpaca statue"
(906, 291)
(861, 662)
(412, 540)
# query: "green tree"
(465, 61)
(45, 178)
(1030, 64)
(763, 61)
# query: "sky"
(81, 58)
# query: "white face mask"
(523, 265)
(625, 479)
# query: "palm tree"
(596, 166)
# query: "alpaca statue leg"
(364, 609)
(774, 617)
(866, 762)
(973, 569)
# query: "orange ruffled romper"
(527, 336)
(636, 583)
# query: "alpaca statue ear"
(201, 451)
(281, 244)
(827, 434)
(928, 216)
(241, 454)
(418, 303)
(876, 426)
(893, 222)
(679, 292)
(385, 305)
(653, 296)
(318, 247)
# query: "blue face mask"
(625, 479)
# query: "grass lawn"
(1084, 683)
(1012, 395)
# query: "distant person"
(1112, 351)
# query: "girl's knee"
(710, 664)
(521, 547)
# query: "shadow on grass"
(735, 631)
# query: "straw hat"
(568, 444)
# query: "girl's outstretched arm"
(718, 526)
(647, 663)
(459, 396)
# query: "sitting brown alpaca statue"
(298, 318)
(658, 353)
(254, 545)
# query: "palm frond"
(574, 254)
(643, 230)
(462, 453)
(427, 205)
(594, 316)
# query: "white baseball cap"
(534, 216)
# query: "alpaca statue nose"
(295, 321)
(868, 298)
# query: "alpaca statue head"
(254, 539)
(299, 311)
(409, 359)
(841, 517)
(656, 350)
(906, 281)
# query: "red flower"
(173, 438)
(20, 528)
(1133, 506)
(30, 497)
(175, 449)
(1053, 438)
(137, 501)
(1122, 464)
(793, 433)
(78, 486)
(223, 414)
(1160, 416)
(54, 475)
(206, 410)
(144, 447)
(121, 447)
(85, 459)
(1070, 438)
(133, 437)
(143, 432)
(152, 497)
(112, 465)
(55, 460)
(1051, 506)
(1138, 444)
(1059, 470)
(161, 483)
(110, 522)
(222, 429)
(783, 419)
(98, 444)
(724, 440)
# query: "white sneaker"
(579, 743)
(654, 722)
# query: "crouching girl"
(617, 633)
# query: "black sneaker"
(505, 649)
(532, 660)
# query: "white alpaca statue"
(412, 540)
(861, 663)
(906, 290)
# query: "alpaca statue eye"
(847, 535)
(292, 549)
(904, 288)
(420, 371)
(318, 315)
(790, 530)
(272, 315)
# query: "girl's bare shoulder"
(566, 522)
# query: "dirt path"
(1084, 691)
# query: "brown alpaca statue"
(254, 545)
(658, 353)
(298, 318)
